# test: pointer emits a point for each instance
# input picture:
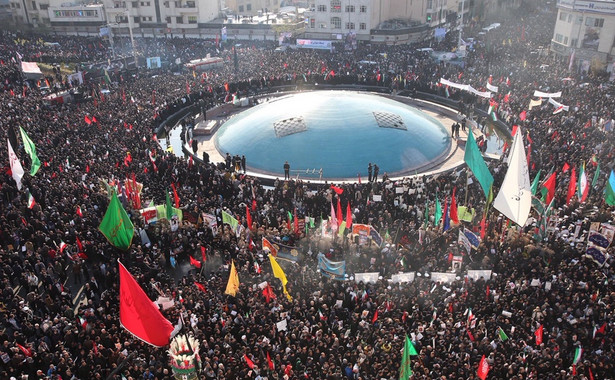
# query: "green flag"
(31, 150)
(405, 370)
(438, 213)
(596, 175)
(536, 182)
(342, 229)
(169, 207)
(609, 192)
(230, 220)
(502, 335)
(474, 159)
(116, 225)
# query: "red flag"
(87, 119)
(195, 262)
(591, 375)
(549, 184)
(187, 87)
(338, 213)
(139, 315)
(338, 190)
(200, 286)
(203, 254)
(348, 216)
(296, 221)
(453, 212)
(487, 292)
(523, 115)
(26, 351)
(175, 195)
(253, 204)
(79, 212)
(268, 293)
(375, 318)
(572, 186)
(470, 335)
(483, 368)
(249, 362)
(538, 334)
(227, 88)
(248, 218)
(602, 329)
(574, 370)
(272, 366)
(79, 245)
(483, 225)
(94, 120)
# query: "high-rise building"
(584, 33)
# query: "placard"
(369, 277)
(402, 277)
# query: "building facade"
(375, 20)
(146, 17)
(585, 33)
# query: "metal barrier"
(307, 172)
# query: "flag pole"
(121, 365)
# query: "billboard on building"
(314, 44)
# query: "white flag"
(16, 168)
(514, 199)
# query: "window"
(336, 23)
(44, 7)
(248, 7)
(135, 4)
(350, 25)
(565, 40)
(595, 22)
(558, 38)
(322, 25)
(312, 23)
(34, 5)
(569, 18)
(322, 8)
(573, 42)
(578, 20)
(191, 19)
(336, 6)
(179, 19)
(136, 19)
(241, 8)
(178, 4)
(349, 8)
(363, 9)
(562, 16)
(429, 4)
(190, 4)
(166, 4)
(362, 26)
(168, 20)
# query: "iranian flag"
(577, 355)
(583, 187)
(31, 201)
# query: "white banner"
(482, 94)
(455, 85)
(478, 273)
(402, 277)
(443, 277)
(366, 277)
(540, 94)
(492, 88)
(535, 103)
(558, 105)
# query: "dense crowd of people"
(59, 275)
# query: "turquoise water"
(342, 135)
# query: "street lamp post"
(132, 40)
(463, 3)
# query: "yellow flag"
(233, 281)
(279, 273)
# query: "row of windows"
(589, 21)
(561, 39)
(336, 7)
(336, 23)
(180, 20)
(248, 8)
